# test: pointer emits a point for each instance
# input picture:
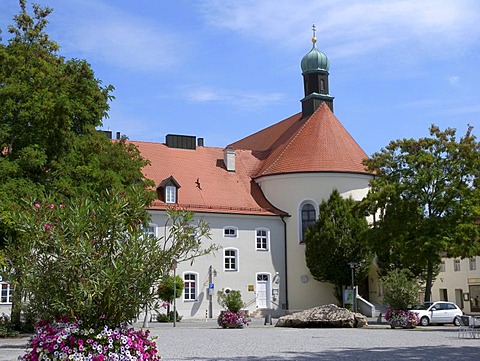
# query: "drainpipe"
(286, 263)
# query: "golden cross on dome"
(314, 30)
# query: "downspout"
(286, 263)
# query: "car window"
(451, 306)
(440, 306)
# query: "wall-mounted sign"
(250, 288)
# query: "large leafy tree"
(425, 197)
(337, 239)
(49, 110)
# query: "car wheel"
(424, 321)
(456, 321)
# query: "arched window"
(190, 286)
(308, 218)
(322, 85)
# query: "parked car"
(439, 312)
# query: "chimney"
(229, 159)
(200, 142)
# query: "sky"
(224, 69)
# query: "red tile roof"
(217, 190)
(318, 143)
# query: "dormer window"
(168, 190)
(170, 194)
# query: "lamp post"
(174, 293)
(353, 265)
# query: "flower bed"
(69, 341)
(229, 319)
(401, 318)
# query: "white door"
(263, 290)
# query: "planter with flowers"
(232, 317)
(401, 289)
(401, 318)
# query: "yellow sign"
(250, 288)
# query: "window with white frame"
(262, 239)
(472, 264)
(456, 265)
(190, 286)
(151, 230)
(6, 294)
(442, 266)
(231, 259)
(170, 194)
(230, 232)
(308, 216)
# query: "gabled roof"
(206, 186)
(318, 143)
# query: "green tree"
(170, 288)
(400, 289)
(49, 110)
(91, 259)
(335, 240)
(426, 202)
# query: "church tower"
(315, 66)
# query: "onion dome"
(315, 60)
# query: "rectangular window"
(229, 232)
(230, 260)
(456, 265)
(170, 194)
(442, 266)
(262, 240)
(6, 293)
(190, 289)
(473, 264)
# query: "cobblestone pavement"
(205, 341)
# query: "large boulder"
(326, 316)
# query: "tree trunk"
(429, 282)
(16, 314)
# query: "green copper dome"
(315, 60)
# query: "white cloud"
(354, 27)
(237, 98)
(105, 33)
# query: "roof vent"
(181, 141)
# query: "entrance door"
(263, 290)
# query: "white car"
(438, 312)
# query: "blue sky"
(222, 69)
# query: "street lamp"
(353, 265)
(174, 264)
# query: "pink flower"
(47, 226)
(51, 206)
(37, 205)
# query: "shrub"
(400, 289)
(93, 260)
(168, 317)
(231, 300)
(6, 327)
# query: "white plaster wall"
(288, 192)
(250, 261)
(452, 280)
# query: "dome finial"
(314, 31)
